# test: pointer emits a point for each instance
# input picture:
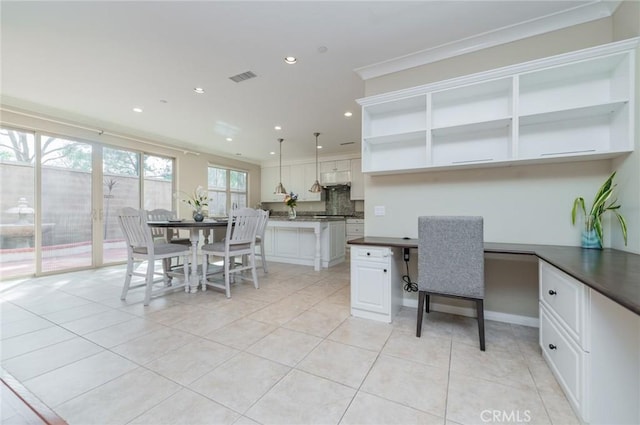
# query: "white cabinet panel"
(376, 289)
(357, 180)
(314, 243)
(269, 179)
(302, 177)
(578, 105)
(592, 346)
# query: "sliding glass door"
(59, 200)
(66, 204)
(120, 188)
(17, 203)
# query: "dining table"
(195, 227)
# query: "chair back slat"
(242, 226)
(135, 229)
(159, 214)
(262, 223)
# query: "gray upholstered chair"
(451, 263)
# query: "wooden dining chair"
(240, 240)
(141, 247)
(262, 227)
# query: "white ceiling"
(92, 62)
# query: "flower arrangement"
(198, 200)
(291, 199)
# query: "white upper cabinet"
(576, 106)
(302, 177)
(357, 180)
(269, 179)
(332, 172)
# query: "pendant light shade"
(316, 188)
(280, 190)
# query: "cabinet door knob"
(552, 292)
(368, 253)
(552, 347)
(384, 270)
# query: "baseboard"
(471, 312)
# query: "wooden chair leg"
(227, 278)
(149, 281)
(480, 310)
(127, 279)
(421, 299)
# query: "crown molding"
(578, 15)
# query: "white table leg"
(194, 237)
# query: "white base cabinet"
(592, 346)
(320, 244)
(376, 288)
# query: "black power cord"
(409, 285)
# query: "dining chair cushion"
(220, 247)
(160, 249)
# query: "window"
(227, 190)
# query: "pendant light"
(316, 188)
(280, 190)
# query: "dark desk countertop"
(613, 273)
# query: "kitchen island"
(305, 240)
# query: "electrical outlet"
(378, 210)
(405, 254)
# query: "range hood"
(335, 178)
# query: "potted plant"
(592, 231)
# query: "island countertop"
(305, 218)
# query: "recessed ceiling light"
(229, 139)
(272, 153)
(348, 114)
(290, 60)
(319, 147)
(199, 90)
(137, 109)
(322, 49)
(277, 127)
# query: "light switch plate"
(378, 210)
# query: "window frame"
(228, 191)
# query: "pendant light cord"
(281, 140)
(316, 134)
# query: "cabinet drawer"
(355, 221)
(355, 229)
(566, 299)
(565, 358)
(371, 253)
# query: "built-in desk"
(589, 303)
(613, 273)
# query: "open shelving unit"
(576, 106)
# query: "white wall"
(626, 22)
(520, 203)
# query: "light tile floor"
(288, 353)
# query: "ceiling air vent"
(244, 76)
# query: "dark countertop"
(613, 273)
(305, 218)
